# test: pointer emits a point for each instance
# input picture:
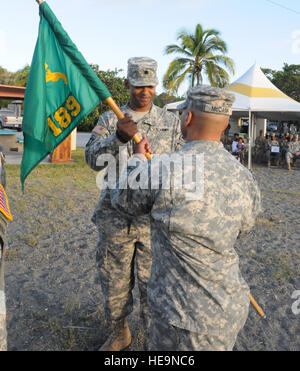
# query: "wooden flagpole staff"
(257, 307)
(113, 105)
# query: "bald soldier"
(197, 296)
(124, 242)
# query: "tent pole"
(250, 141)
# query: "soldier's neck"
(137, 108)
(208, 137)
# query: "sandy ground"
(54, 300)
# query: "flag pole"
(113, 105)
(256, 306)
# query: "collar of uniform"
(207, 143)
(149, 118)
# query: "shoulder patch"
(98, 129)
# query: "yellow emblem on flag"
(55, 76)
(4, 206)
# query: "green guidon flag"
(61, 90)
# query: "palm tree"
(197, 56)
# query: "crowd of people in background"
(270, 149)
(281, 150)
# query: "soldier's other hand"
(5, 252)
(142, 147)
(126, 129)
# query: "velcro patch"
(98, 129)
(4, 205)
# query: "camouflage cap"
(209, 99)
(142, 71)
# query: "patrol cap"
(205, 98)
(142, 71)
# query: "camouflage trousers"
(259, 154)
(3, 344)
(165, 337)
(123, 252)
(291, 157)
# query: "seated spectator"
(273, 150)
(234, 146)
(293, 152)
(235, 138)
(238, 150)
(241, 150)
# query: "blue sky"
(109, 32)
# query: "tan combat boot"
(289, 166)
(119, 339)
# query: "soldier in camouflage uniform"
(3, 226)
(273, 142)
(125, 242)
(197, 296)
(260, 147)
(293, 152)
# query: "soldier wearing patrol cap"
(124, 243)
(196, 294)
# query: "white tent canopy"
(256, 95)
(254, 92)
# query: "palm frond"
(186, 40)
(173, 48)
(202, 51)
(223, 60)
(177, 81)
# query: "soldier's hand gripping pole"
(113, 105)
(256, 306)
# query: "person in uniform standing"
(293, 152)
(124, 243)
(197, 296)
(259, 147)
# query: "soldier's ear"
(188, 119)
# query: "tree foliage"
(287, 80)
(197, 55)
(115, 85)
(164, 98)
(18, 78)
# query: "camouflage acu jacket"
(293, 147)
(161, 127)
(195, 281)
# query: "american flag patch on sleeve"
(4, 206)
(98, 129)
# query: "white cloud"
(3, 48)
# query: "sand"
(54, 299)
